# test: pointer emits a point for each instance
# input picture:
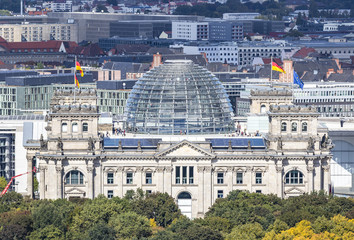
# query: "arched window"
(294, 177)
(74, 177)
(304, 126)
(263, 108)
(85, 127)
(64, 127)
(283, 126)
(294, 127)
(75, 127)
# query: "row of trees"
(269, 9)
(241, 215)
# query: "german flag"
(77, 82)
(78, 68)
(276, 67)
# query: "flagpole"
(271, 71)
(75, 80)
(292, 86)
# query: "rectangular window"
(239, 178)
(178, 175)
(129, 178)
(220, 178)
(258, 178)
(184, 175)
(191, 173)
(220, 193)
(258, 191)
(110, 179)
(148, 192)
(110, 194)
(148, 178)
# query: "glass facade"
(179, 97)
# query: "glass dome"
(179, 97)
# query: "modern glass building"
(179, 97)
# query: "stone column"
(208, 189)
(160, 179)
(326, 178)
(280, 183)
(200, 182)
(168, 180)
(90, 190)
(42, 182)
(229, 179)
(249, 172)
(310, 176)
(139, 177)
(59, 171)
(120, 181)
(30, 187)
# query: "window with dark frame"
(239, 178)
(258, 178)
(220, 193)
(129, 178)
(110, 178)
(148, 178)
(220, 178)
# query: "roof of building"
(303, 52)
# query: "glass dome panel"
(179, 97)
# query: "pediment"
(74, 191)
(185, 149)
(294, 191)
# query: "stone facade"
(196, 170)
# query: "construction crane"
(9, 184)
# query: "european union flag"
(298, 81)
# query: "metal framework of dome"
(179, 97)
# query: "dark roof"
(264, 72)
(125, 67)
(314, 70)
(116, 85)
(344, 77)
(160, 50)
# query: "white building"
(15, 132)
(190, 30)
(59, 6)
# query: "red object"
(9, 184)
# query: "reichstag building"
(180, 140)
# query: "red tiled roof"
(303, 52)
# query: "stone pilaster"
(160, 179)
(310, 169)
(168, 180)
(326, 178)
(120, 181)
(30, 188)
(280, 183)
(59, 172)
(90, 189)
(139, 175)
(208, 191)
(42, 184)
(200, 170)
(229, 179)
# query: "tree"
(248, 231)
(15, 224)
(3, 183)
(130, 225)
(11, 200)
(159, 206)
(92, 212)
(101, 231)
(48, 232)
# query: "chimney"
(289, 72)
(330, 71)
(156, 60)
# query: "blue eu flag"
(298, 81)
